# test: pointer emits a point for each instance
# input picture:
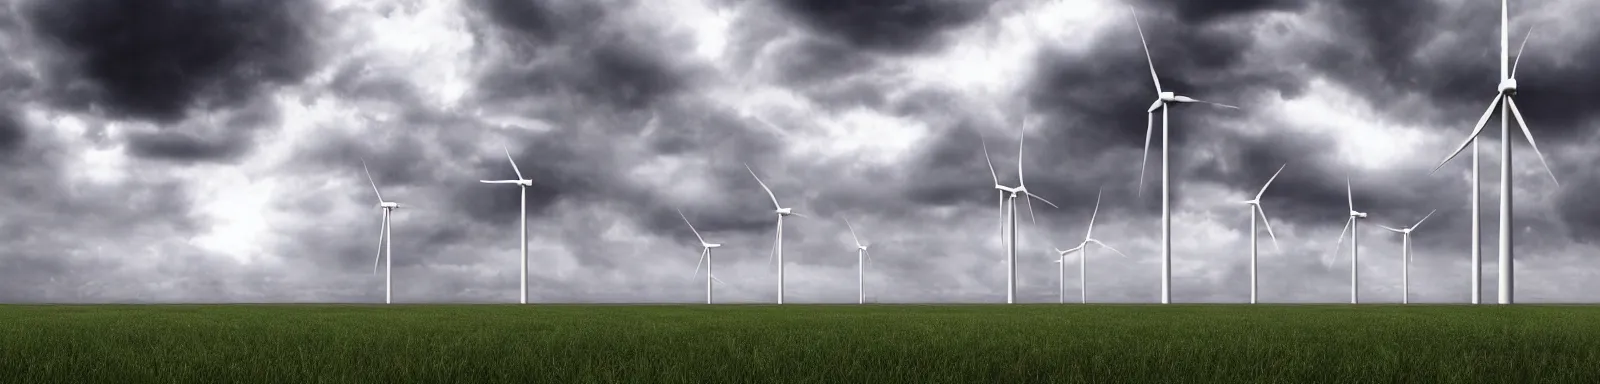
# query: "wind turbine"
(1405, 256)
(861, 263)
(1164, 99)
(1083, 256)
(1508, 107)
(1021, 189)
(1255, 210)
(523, 197)
(705, 257)
(777, 247)
(384, 244)
(1353, 226)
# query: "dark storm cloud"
(886, 25)
(562, 47)
(1201, 12)
(158, 59)
(218, 139)
(12, 133)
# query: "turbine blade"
(1269, 181)
(719, 281)
(772, 253)
(996, 176)
(1052, 205)
(1186, 99)
(1475, 131)
(1391, 229)
(1026, 198)
(498, 181)
(697, 263)
(1519, 52)
(852, 232)
(1092, 215)
(369, 180)
(1341, 236)
(1529, 135)
(1075, 249)
(1424, 218)
(1149, 126)
(1350, 196)
(1142, 43)
(513, 163)
(1108, 247)
(1020, 139)
(1002, 211)
(383, 236)
(1264, 220)
(691, 226)
(764, 187)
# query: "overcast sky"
(183, 151)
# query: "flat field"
(876, 344)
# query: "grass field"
(799, 344)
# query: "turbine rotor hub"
(1508, 86)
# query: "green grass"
(799, 344)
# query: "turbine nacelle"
(1508, 87)
(388, 205)
(1358, 214)
(784, 211)
(709, 245)
(1169, 97)
(1252, 202)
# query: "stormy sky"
(198, 151)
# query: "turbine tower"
(1353, 226)
(777, 247)
(861, 263)
(1508, 108)
(1083, 256)
(1022, 190)
(1255, 210)
(705, 257)
(1164, 100)
(523, 183)
(384, 244)
(1405, 256)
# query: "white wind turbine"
(705, 257)
(861, 263)
(1083, 257)
(1255, 210)
(1508, 107)
(1405, 256)
(1353, 226)
(777, 247)
(523, 214)
(1022, 190)
(384, 238)
(1164, 99)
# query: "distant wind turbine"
(1405, 256)
(777, 247)
(1020, 190)
(705, 257)
(1508, 107)
(523, 214)
(1163, 101)
(384, 244)
(1353, 226)
(1255, 210)
(1083, 257)
(861, 263)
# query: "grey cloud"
(171, 56)
(895, 26)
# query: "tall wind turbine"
(1255, 210)
(861, 263)
(1021, 189)
(1354, 227)
(1083, 256)
(705, 257)
(384, 244)
(1508, 107)
(777, 247)
(523, 214)
(1405, 256)
(1164, 99)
